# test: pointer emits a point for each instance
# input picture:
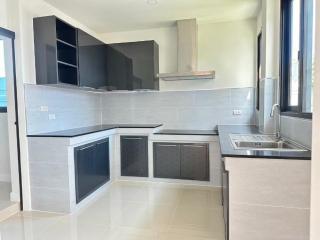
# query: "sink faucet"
(274, 108)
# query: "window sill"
(297, 115)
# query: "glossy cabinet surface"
(134, 156)
(133, 65)
(56, 52)
(92, 168)
(189, 161)
(67, 55)
(92, 61)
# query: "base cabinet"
(92, 168)
(134, 156)
(188, 161)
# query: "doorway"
(10, 180)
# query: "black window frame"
(286, 109)
(259, 64)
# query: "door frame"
(11, 35)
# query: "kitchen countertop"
(227, 149)
(76, 132)
(187, 132)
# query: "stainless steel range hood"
(187, 54)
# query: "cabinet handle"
(90, 146)
(133, 138)
(164, 145)
(194, 146)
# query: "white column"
(315, 180)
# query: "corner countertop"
(227, 149)
(187, 132)
(76, 132)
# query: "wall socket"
(52, 116)
(237, 112)
(44, 108)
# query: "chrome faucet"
(278, 124)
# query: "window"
(259, 46)
(3, 87)
(297, 57)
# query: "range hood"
(187, 54)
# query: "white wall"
(17, 15)
(315, 179)
(218, 43)
(4, 149)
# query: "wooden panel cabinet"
(92, 167)
(188, 161)
(134, 156)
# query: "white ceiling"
(125, 15)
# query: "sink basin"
(263, 142)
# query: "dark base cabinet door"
(188, 161)
(194, 162)
(91, 167)
(167, 160)
(134, 156)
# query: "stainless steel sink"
(263, 142)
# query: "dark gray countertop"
(93, 129)
(227, 149)
(187, 132)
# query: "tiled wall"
(176, 109)
(180, 109)
(297, 129)
(72, 108)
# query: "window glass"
(3, 87)
(295, 51)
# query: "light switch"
(52, 116)
(237, 112)
(44, 108)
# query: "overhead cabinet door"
(167, 160)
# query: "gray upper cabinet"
(56, 52)
(133, 65)
(67, 55)
(194, 162)
(92, 61)
(134, 156)
(167, 160)
(188, 161)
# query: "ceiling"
(125, 15)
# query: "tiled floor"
(129, 211)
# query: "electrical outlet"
(237, 112)
(44, 109)
(52, 116)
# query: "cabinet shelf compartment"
(66, 33)
(66, 53)
(67, 74)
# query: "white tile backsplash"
(175, 109)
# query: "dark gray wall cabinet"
(92, 167)
(68, 55)
(133, 65)
(56, 51)
(181, 161)
(134, 156)
(92, 61)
